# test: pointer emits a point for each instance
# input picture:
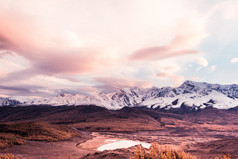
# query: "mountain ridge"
(197, 95)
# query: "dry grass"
(157, 151)
(8, 156)
(8, 140)
(118, 126)
(15, 133)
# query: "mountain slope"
(8, 102)
(197, 95)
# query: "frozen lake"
(122, 144)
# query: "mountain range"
(192, 95)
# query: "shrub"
(157, 151)
(8, 156)
(140, 152)
(8, 140)
(16, 133)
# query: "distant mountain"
(8, 102)
(192, 95)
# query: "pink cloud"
(189, 34)
(4, 53)
(4, 96)
(21, 89)
(163, 74)
(193, 78)
(46, 49)
(177, 79)
(155, 53)
(114, 83)
(72, 63)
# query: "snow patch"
(122, 144)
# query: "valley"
(207, 133)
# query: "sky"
(48, 47)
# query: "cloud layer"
(47, 47)
(234, 60)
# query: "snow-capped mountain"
(194, 94)
(8, 102)
(197, 95)
(128, 97)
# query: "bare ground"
(53, 150)
(208, 133)
(206, 145)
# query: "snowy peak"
(189, 87)
(197, 95)
(158, 92)
(206, 88)
(8, 102)
(128, 96)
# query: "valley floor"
(46, 150)
(83, 129)
(200, 144)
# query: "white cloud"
(202, 61)
(228, 9)
(12, 63)
(4, 96)
(177, 79)
(234, 60)
(212, 68)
